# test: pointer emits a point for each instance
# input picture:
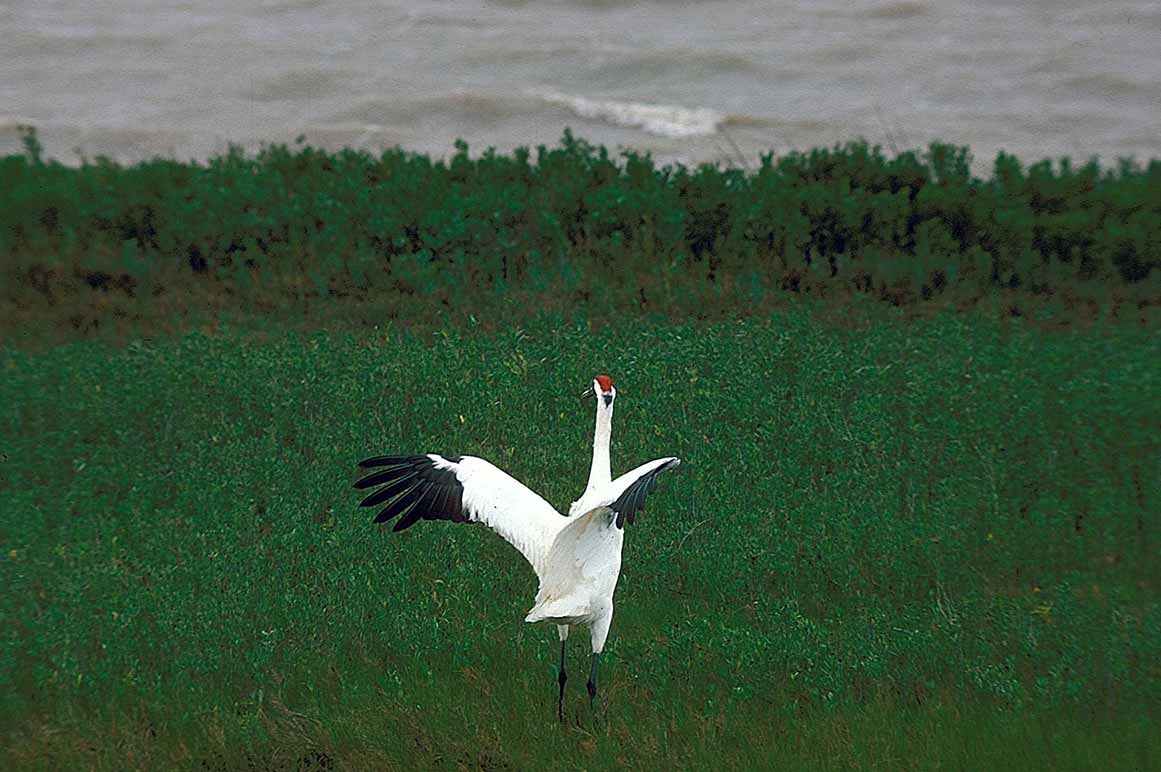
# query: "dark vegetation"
(400, 236)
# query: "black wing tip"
(374, 462)
(386, 463)
(384, 516)
(411, 486)
(632, 500)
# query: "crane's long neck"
(600, 473)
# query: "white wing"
(626, 495)
(464, 489)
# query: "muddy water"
(688, 81)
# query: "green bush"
(572, 222)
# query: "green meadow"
(915, 526)
(893, 543)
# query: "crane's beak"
(588, 393)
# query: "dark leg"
(593, 679)
(561, 678)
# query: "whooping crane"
(576, 558)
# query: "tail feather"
(561, 608)
(564, 591)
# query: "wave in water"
(671, 121)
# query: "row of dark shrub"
(917, 224)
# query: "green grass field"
(893, 543)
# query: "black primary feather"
(632, 499)
(414, 488)
(378, 478)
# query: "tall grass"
(894, 544)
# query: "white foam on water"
(671, 121)
(1034, 78)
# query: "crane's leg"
(562, 676)
(599, 631)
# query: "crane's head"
(602, 389)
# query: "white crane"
(576, 558)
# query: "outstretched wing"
(463, 489)
(626, 494)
